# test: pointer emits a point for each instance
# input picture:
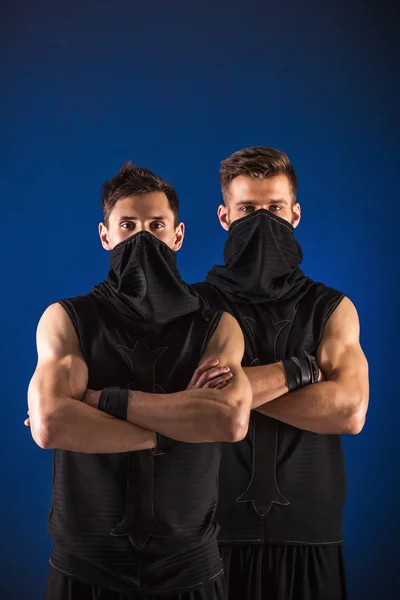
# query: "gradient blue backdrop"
(176, 87)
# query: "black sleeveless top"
(137, 522)
(281, 484)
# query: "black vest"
(281, 484)
(137, 522)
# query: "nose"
(142, 226)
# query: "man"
(282, 489)
(132, 511)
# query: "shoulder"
(55, 332)
(323, 293)
(320, 300)
(229, 323)
(343, 321)
(54, 316)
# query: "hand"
(91, 398)
(210, 375)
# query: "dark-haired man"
(282, 489)
(132, 511)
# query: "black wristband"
(114, 401)
(314, 368)
(163, 444)
(300, 371)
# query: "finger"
(205, 366)
(211, 374)
(212, 361)
(214, 383)
(221, 386)
(199, 372)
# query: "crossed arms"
(338, 403)
(59, 419)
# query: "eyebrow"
(127, 218)
(252, 202)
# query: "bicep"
(226, 344)
(61, 371)
(339, 354)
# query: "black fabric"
(164, 443)
(138, 521)
(61, 587)
(114, 402)
(261, 260)
(295, 375)
(144, 282)
(280, 484)
(300, 371)
(268, 572)
(314, 368)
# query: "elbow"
(236, 424)
(236, 430)
(42, 433)
(236, 414)
(354, 424)
(355, 420)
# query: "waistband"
(177, 573)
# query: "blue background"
(176, 87)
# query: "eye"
(128, 225)
(157, 225)
(275, 208)
(247, 209)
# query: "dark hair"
(257, 162)
(135, 181)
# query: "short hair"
(136, 181)
(257, 162)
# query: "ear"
(179, 235)
(223, 216)
(103, 233)
(296, 215)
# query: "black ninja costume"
(282, 490)
(138, 523)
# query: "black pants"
(62, 587)
(257, 572)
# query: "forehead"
(143, 206)
(247, 188)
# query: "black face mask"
(262, 260)
(144, 282)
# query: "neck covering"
(262, 260)
(144, 282)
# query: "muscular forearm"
(326, 407)
(268, 382)
(198, 415)
(81, 428)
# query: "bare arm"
(268, 382)
(57, 418)
(202, 415)
(339, 404)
